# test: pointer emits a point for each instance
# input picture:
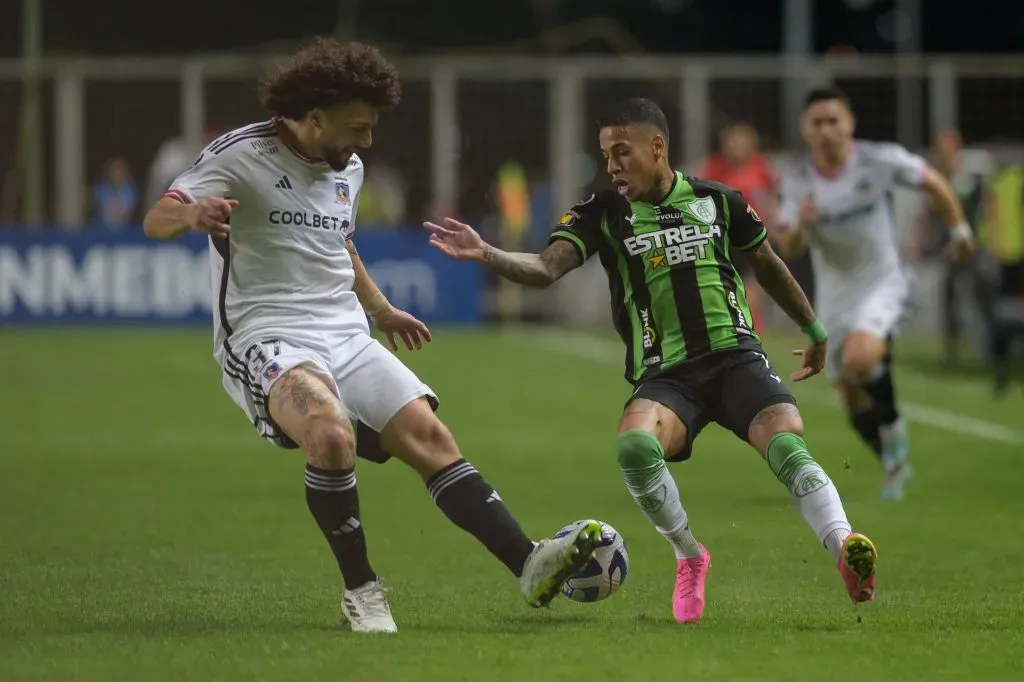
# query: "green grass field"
(146, 533)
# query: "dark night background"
(412, 27)
(499, 120)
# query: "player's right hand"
(960, 248)
(808, 213)
(212, 214)
(457, 240)
(814, 360)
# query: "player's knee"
(773, 420)
(638, 449)
(861, 357)
(433, 448)
(792, 423)
(852, 396)
(857, 367)
(433, 436)
(417, 437)
(329, 443)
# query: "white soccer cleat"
(366, 608)
(553, 560)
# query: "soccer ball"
(605, 572)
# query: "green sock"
(813, 492)
(649, 482)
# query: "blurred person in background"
(115, 198)
(967, 176)
(382, 203)
(740, 164)
(1004, 220)
(175, 156)
(837, 203)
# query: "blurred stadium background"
(497, 121)
(99, 111)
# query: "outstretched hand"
(456, 240)
(813, 360)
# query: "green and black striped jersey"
(675, 293)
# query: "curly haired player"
(278, 200)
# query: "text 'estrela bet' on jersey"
(675, 293)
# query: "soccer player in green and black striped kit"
(678, 303)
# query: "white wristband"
(961, 231)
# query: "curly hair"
(327, 73)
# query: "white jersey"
(284, 270)
(854, 246)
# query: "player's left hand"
(814, 360)
(394, 322)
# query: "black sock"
(883, 397)
(865, 423)
(473, 505)
(334, 501)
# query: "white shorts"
(878, 313)
(369, 381)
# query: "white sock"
(834, 541)
(891, 434)
(813, 492)
(655, 492)
(818, 501)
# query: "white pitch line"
(603, 352)
(960, 423)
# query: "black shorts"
(1011, 279)
(726, 387)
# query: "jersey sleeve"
(581, 226)
(905, 168)
(210, 176)
(746, 231)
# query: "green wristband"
(816, 332)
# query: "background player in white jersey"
(278, 200)
(837, 202)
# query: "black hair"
(825, 93)
(635, 111)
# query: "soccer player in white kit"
(837, 202)
(278, 200)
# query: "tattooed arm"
(373, 300)
(537, 270)
(394, 323)
(776, 279)
(461, 242)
